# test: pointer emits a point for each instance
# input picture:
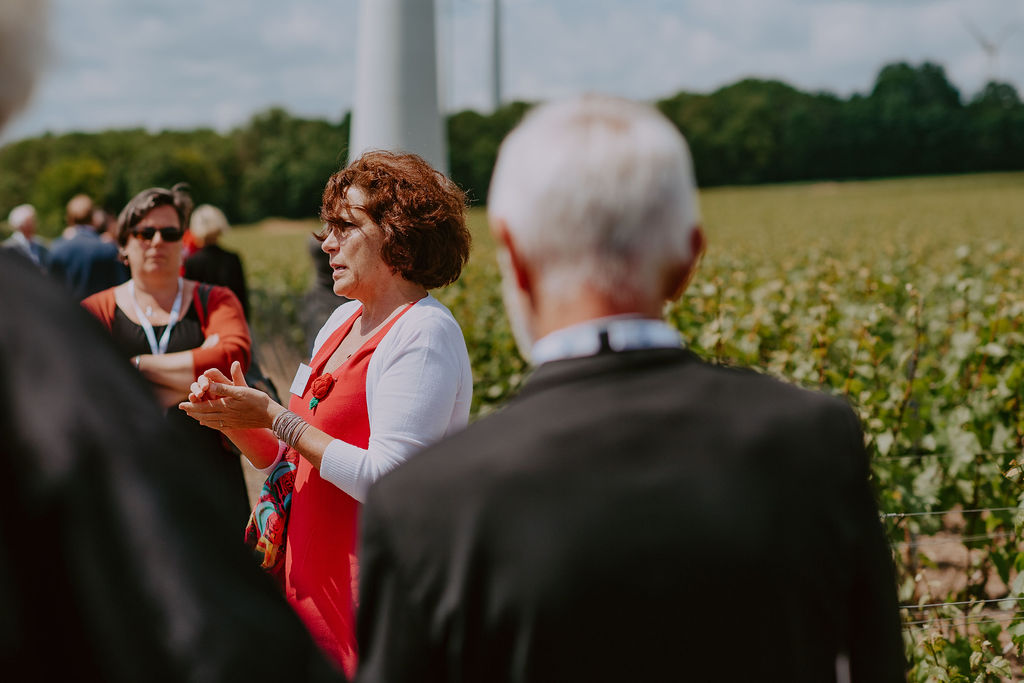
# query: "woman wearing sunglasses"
(172, 328)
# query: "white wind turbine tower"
(495, 55)
(396, 101)
(493, 60)
(990, 47)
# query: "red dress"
(320, 563)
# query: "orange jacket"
(222, 316)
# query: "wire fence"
(966, 620)
(961, 539)
(949, 454)
(965, 603)
(934, 513)
(935, 616)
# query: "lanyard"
(147, 327)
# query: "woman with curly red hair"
(389, 375)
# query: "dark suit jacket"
(636, 516)
(86, 264)
(120, 560)
(33, 250)
(219, 267)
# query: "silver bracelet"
(289, 427)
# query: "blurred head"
(183, 195)
(207, 224)
(597, 193)
(79, 210)
(23, 219)
(321, 261)
(420, 213)
(103, 221)
(22, 51)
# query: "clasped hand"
(221, 403)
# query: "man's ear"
(679, 277)
(521, 273)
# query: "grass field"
(879, 233)
(906, 296)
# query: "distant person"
(390, 374)
(188, 242)
(81, 260)
(319, 301)
(627, 512)
(211, 262)
(217, 266)
(173, 328)
(24, 242)
(105, 224)
(117, 559)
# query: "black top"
(218, 266)
(623, 519)
(119, 560)
(131, 340)
(187, 333)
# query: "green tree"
(913, 121)
(285, 163)
(996, 132)
(60, 181)
(473, 141)
(918, 120)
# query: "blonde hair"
(208, 223)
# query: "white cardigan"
(418, 389)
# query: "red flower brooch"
(322, 386)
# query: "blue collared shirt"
(617, 333)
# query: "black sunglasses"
(168, 234)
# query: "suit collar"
(569, 370)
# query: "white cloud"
(194, 62)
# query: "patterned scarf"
(268, 524)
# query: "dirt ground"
(953, 565)
(278, 362)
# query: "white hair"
(22, 51)
(208, 223)
(597, 191)
(20, 215)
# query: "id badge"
(301, 379)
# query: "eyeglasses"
(168, 234)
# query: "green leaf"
(1000, 667)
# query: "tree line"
(914, 121)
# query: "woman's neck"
(160, 287)
(383, 306)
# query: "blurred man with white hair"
(22, 220)
(634, 514)
(22, 52)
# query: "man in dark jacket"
(635, 514)
(118, 561)
(24, 242)
(84, 262)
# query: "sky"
(192, 63)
